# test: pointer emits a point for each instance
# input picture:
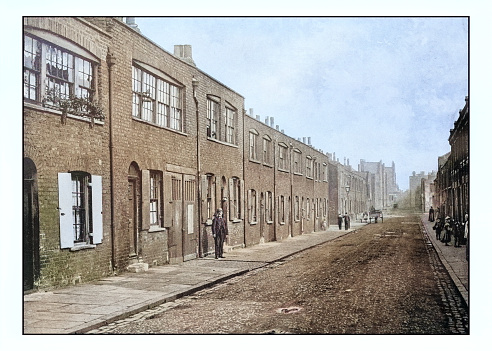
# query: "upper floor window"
(156, 99)
(267, 150)
(309, 167)
(282, 157)
(60, 77)
(297, 161)
(230, 122)
(253, 145)
(221, 125)
(213, 113)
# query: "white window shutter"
(97, 222)
(65, 210)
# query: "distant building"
(383, 187)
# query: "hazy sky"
(373, 88)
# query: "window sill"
(253, 223)
(283, 170)
(136, 119)
(156, 229)
(268, 165)
(82, 247)
(236, 220)
(222, 142)
(57, 112)
(254, 161)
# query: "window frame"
(91, 190)
(156, 98)
(156, 196)
(77, 76)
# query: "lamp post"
(347, 189)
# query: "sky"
(374, 88)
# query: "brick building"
(452, 183)
(129, 150)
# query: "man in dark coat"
(438, 228)
(219, 231)
(431, 215)
(347, 221)
(340, 221)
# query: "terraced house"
(129, 149)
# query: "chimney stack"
(184, 53)
(272, 122)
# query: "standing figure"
(219, 231)
(438, 228)
(340, 221)
(431, 215)
(448, 230)
(347, 221)
(458, 233)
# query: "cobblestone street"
(383, 278)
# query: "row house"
(129, 150)
(452, 183)
(286, 182)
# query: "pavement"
(453, 258)
(80, 308)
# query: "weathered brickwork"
(56, 147)
(162, 184)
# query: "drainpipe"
(194, 83)
(111, 60)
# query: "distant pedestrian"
(448, 230)
(340, 221)
(438, 228)
(431, 215)
(219, 232)
(458, 232)
(347, 221)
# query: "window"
(269, 206)
(309, 167)
(281, 209)
(80, 209)
(210, 195)
(156, 100)
(297, 208)
(267, 150)
(155, 197)
(235, 198)
(308, 209)
(213, 109)
(297, 161)
(325, 172)
(282, 157)
(230, 121)
(52, 72)
(252, 206)
(253, 152)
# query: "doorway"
(30, 241)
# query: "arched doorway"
(30, 241)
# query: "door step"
(138, 267)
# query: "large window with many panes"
(156, 100)
(55, 75)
